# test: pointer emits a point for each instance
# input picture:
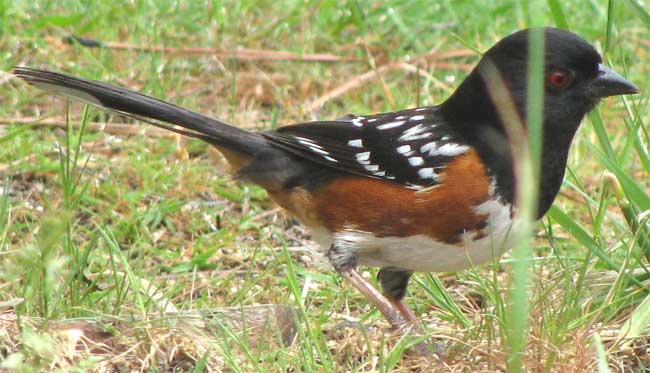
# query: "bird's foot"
(401, 319)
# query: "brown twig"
(112, 128)
(407, 65)
(438, 55)
(236, 53)
(349, 85)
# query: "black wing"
(410, 147)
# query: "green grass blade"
(601, 133)
(558, 14)
(603, 366)
(610, 25)
(441, 297)
(526, 202)
(640, 11)
(633, 191)
(571, 226)
(637, 324)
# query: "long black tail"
(145, 108)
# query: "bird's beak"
(609, 83)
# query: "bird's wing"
(409, 147)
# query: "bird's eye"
(560, 79)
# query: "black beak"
(609, 83)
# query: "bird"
(424, 189)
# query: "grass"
(101, 235)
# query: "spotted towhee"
(424, 189)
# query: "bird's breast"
(444, 212)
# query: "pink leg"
(422, 348)
(383, 305)
(405, 311)
(398, 320)
(397, 314)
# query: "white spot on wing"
(362, 156)
(357, 143)
(448, 149)
(415, 133)
(416, 161)
(390, 125)
(358, 121)
(429, 147)
(415, 118)
(318, 150)
(427, 173)
(371, 167)
(330, 159)
(451, 149)
(308, 142)
(403, 149)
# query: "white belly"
(423, 254)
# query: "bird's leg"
(405, 311)
(393, 284)
(345, 263)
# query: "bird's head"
(574, 78)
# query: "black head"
(574, 78)
(574, 81)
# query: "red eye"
(559, 79)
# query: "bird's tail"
(235, 140)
